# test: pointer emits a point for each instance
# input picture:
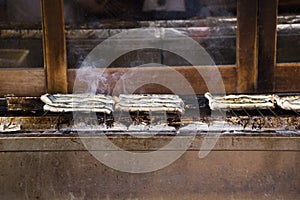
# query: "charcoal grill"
(256, 156)
(255, 143)
(28, 114)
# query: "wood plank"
(22, 82)
(289, 3)
(54, 46)
(191, 74)
(32, 81)
(287, 77)
(267, 44)
(247, 41)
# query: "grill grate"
(257, 120)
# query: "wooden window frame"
(256, 55)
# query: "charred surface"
(27, 114)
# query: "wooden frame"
(267, 17)
(55, 53)
(247, 43)
(190, 73)
(287, 77)
(22, 82)
(256, 55)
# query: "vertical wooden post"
(267, 44)
(247, 43)
(54, 46)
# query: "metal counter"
(248, 166)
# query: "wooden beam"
(287, 77)
(191, 74)
(31, 82)
(54, 46)
(267, 44)
(22, 82)
(247, 40)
